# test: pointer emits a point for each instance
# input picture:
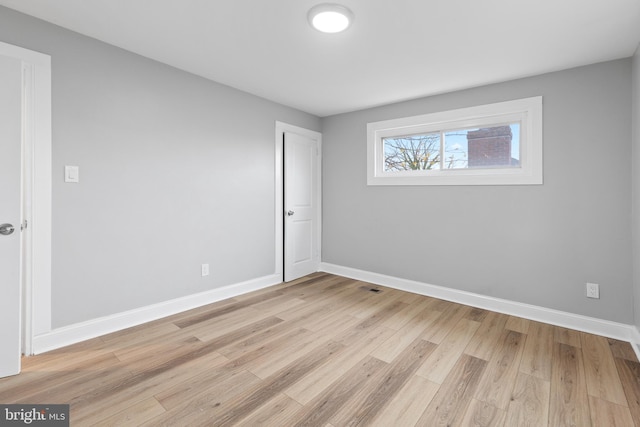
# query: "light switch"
(71, 174)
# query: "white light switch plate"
(71, 174)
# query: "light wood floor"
(327, 351)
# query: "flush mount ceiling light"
(330, 18)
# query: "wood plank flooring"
(326, 351)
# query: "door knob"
(290, 213)
(6, 229)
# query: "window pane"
(497, 146)
(456, 149)
(412, 152)
(492, 144)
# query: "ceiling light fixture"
(330, 17)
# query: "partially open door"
(10, 213)
(301, 205)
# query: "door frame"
(281, 128)
(36, 193)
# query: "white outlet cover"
(205, 270)
(593, 290)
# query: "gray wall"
(636, 185)
(175, 171)
(533, 244)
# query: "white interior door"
(10, 213)
(301, 203)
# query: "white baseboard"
(96, 327)
(635, 342)
(592, 325)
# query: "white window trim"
(527, 111)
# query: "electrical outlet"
(205, 270)
(593, 290)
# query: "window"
(495, 144)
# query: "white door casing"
(10, 213)
(298, 201)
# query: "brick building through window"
(490, 147)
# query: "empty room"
(287, 213)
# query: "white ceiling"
(395, 50)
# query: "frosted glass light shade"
(330, 18)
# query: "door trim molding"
(37, 164)
(281, 128)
